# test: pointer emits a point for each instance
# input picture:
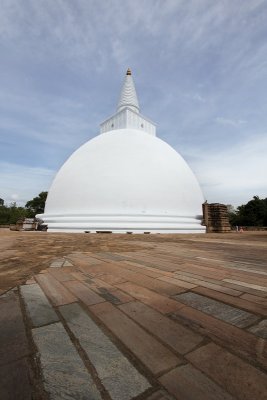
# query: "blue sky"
(200, 70)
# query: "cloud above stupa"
(200, 71)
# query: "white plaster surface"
(125, 180)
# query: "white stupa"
(125, 180)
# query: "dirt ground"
(23, 254)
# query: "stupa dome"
(125, 180)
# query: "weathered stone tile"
(112, 279)
(239, 341)
(242, 380)
(38, 307)
(120, 378)
(56, 292)
(60, 275)
(154, 300)
(151, 353)
(254, 299)
(67, 264)
(173, 334)
(57, 263)
(149, 271)
(14, 381)
(187, 383)
(160, 395)
(109, 256)
(211, 285)
(260, 329)
(64, 374)
(13, 341)
(247, 284)
(219, 310)
(30, 281)
(177, 282)
(234, 301)
(83, 292)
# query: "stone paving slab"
(124, 332)
(14, 381)
(175, 335)
(239, 341)
(55, 291)
(152, 299)
(64, 374)
(120, 378)
(226, 313)
(13, 340)
(38, 307)
(242, 380)
(152, 353)
(188, 383)
(83, 292)
(260, 329)
(234, 301)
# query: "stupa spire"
(128, 96)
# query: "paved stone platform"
(162, 323)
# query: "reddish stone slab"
(146, 348)
(173, 334)
(160, 395)
(254, 299)
(188, 383)
(154, 300)
(238, 340)
(13, 340)
(60, 275)
(56, 292)
(210, 285)
(178, 282)
(238, 302)
(83, 292)
(112, 279)
(242, 380)
(149, 271)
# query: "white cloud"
(228, 121)
(234, 175)
(27, 181)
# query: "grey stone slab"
(38, 307)
(14, 381)
(57, 263)
(260, 329)
(117, 374)
(67, 264)
(64, 374)
(222, 311)
(13, 340)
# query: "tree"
(1, 202)
(254, 213)
(36, 205)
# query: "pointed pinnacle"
(129, 72)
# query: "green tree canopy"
(254, 213)
(36, 205)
